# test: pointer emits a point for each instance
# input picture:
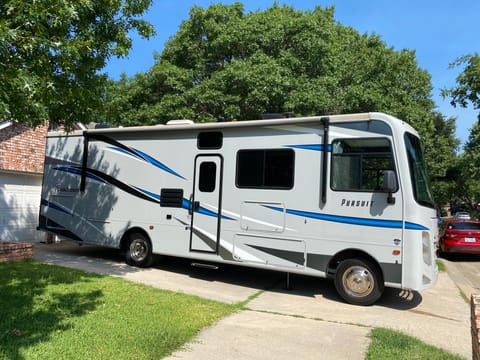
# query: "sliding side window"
(265, 169)
(359, 164)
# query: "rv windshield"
(421, 188)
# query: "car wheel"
(358, 282)
(139, 250)
(441, 253)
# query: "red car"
(461, 236)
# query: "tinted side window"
(265, 169)
(210, 140)
(207, 176)
(358, 164)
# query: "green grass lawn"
(388, 344)
(441, 266)
(50, 312)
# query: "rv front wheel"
(139, 250)
(358, 282)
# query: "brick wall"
(22, 148)
(15, 252)
(475, 325)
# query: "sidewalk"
(309, 321)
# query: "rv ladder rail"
(326, 124)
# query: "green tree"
(224, 63)
(443, 163)
(51, 52)
(468, 172)
(465, 93)
(467, 88)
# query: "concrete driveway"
(464, 270)
(307, 321)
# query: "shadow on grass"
(35, 303)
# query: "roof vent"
(180, 122)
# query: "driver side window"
(359, 164)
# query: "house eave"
(5, 124)
(18, 172)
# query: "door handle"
(194, 205)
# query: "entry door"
(206, 204)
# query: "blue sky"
(439, 32)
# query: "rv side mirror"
(390, 185)
(389, 181)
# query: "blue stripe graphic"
(137, 154)
(393, 224)
(186, 204)
(77, 171)
(56, 207)
(314, 147)
(126, 152)
(146, 192)
(158, 164)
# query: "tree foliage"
(51, 52)
(226, 64)
(466, 170)
(223, 63)
(442, 159)
(467, 88)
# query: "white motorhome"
(342, 196)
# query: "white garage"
(19, 205)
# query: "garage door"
(19, 204)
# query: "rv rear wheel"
(358, 282)
(139, 250)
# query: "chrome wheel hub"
(138, 250)
(358, 281)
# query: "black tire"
(359, 282)
(138, 250)
(442, 254)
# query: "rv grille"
(171, 197)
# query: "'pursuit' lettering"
(356, 203)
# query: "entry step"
(205, 266)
